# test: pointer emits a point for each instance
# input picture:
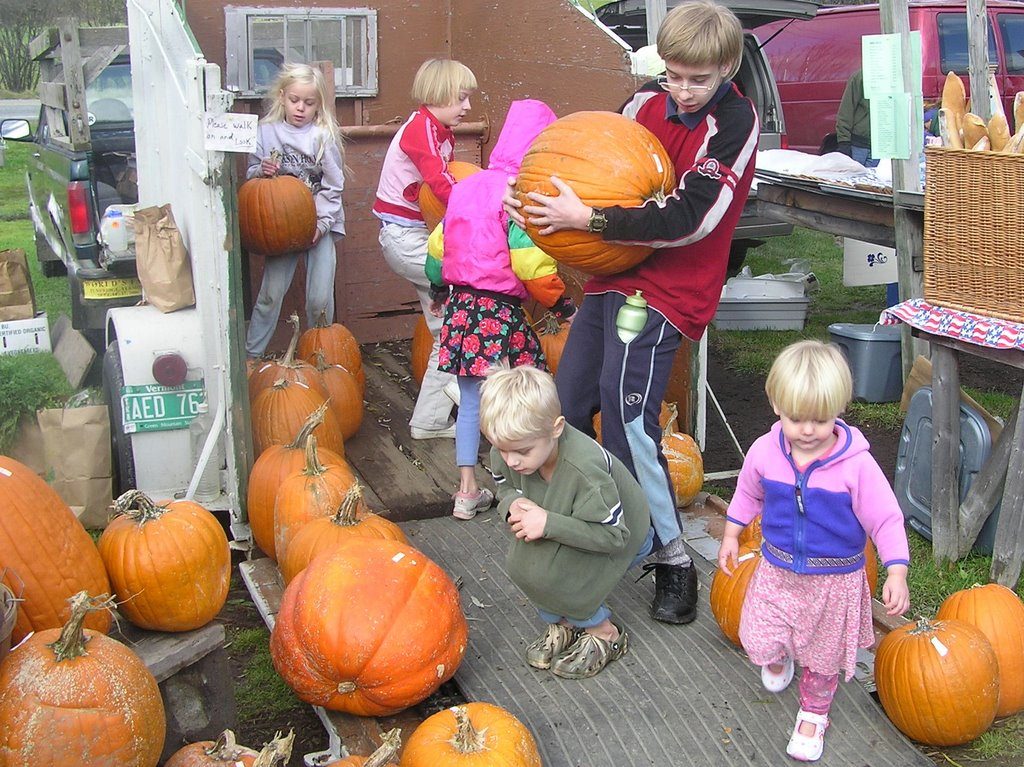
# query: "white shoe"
(467, 506)
(446, 433)
(777, 682)
(452, 391)
(808, 748)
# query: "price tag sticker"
(940, 648)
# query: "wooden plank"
(74, 81)
(165, 654)
(45, 43)
(945, 455)
(1008, 551)
(52, 95)
(1012, 357)
(263, 580)
(824, 222)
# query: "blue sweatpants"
(627, 383)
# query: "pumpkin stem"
(467, 739)
(315, 419)
(137, 506)
(389, 745)
(346, 514)
(321, 362)
(313, 466)
(225, 748)
(344, 688)
(550, 325)
(289, 356)
(321, 321)
(277, 751)
(673, 421)
(72, 640)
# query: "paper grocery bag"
(76, 449)
(162, 261)
(16, 299)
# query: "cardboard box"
(868, 264)
(22, 336)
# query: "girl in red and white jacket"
(820, 495)
(419, 154)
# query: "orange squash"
(553, 335)
(224, 752)
(938, 681)
(391, 742)
(999, 614)
(471, 734)
(315, 491)
(338, 345)
(667, 419)
(608, 160)
(73, 696)
(281, 410)
(729, 591)
(432, 208)
(266, 372)
(344, 395)
(276, 215)
(422, 345)
(369, 627)
(320, 534)
(274, 466)
(685, 466)
(44, 548)
(751, 534)
(169, 562)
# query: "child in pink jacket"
(820, 495)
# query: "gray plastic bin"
(875, 360)
(913, 481)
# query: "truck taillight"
(78, 207)
(783, 141)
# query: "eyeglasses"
(696, 90)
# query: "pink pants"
(817, 691)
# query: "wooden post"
(977, 52)
(945, 454)
(986, 489)
(1008, 551)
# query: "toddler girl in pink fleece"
(820, 495)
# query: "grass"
(260, 693)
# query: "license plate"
(152, 407)
(124, 287)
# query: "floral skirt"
(818, 620)
(482, 329)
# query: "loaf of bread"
(983, 145)
(974, 130)
(1018, 111)
(998, 132)
(954, 98)
(948, 130)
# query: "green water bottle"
(631, 318)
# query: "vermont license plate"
(152, 407)
(123, 287)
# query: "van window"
(953, 42)
(1011, 29)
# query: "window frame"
(239, 50)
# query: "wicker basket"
(974, 232)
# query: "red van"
(813, 59)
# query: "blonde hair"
(438, 82)
(810, 380)
(518, 403)
(701, 33)
(304, 74)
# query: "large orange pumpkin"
(47, 554)
(390, 744)
(315, 491)
(729, 591)
(344, 395)
(169, 562)
(224, 752)
(685, 466)
(274, 466)
(553, 335)
(266, 372)
(938, 681)
(318, 535)
(422, 345)
(432, 208)
(276, 215)
(73, 696)
(338, 345)
(471, 734)
(369, 627)
(281, 410)
(999, 614)
(608, 160)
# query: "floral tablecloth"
(953, 323)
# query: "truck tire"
(120, 443)
(49, 263)
(737, 255)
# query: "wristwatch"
(598, 221)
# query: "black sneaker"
(675, 593)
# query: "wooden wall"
(540, 49)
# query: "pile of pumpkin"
(942, 682)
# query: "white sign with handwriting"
(230, 132)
